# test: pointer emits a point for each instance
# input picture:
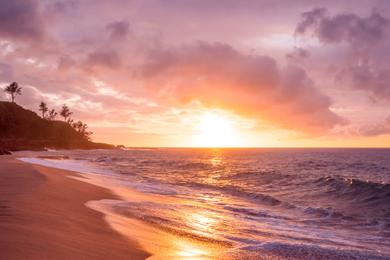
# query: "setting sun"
(216, 130)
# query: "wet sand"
(43, 216)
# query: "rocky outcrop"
(4, 152)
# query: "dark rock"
(4, 152)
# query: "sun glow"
(216, 130)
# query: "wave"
(171, 224)
(239, 192)
(358, 190)
(323, 212)
(262, 177)
(278, 250)
(253, 212)
(80, 166)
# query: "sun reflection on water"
(195, 228)
(202, 222)
(190, 250)
(216, 161)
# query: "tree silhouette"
(52, 115)
(65, 113)
(43, 108)
(13, 89)
(81, 128)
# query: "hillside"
(22, 129)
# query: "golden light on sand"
(190, 250)
(216, 130)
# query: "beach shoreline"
(43, 216)
(159, 243)
(101, 205)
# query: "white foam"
(79, 166)
(100, 176)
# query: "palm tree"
(65, 113)
(43, 108)
(13, 89)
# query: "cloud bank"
(217, 75)
(381, 128)
(126, 62)
(21, 20)
(367, 38)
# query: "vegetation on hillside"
(22, 129)
(13, 90)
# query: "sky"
(301, 73)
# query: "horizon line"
(257, 147)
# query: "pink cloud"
(365, 65)
(381, 128)
(21, 20)
(147, 52)
(253, 85)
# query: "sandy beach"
(43, 216)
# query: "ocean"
(243, 203)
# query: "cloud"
(351, 28)
(6, 71)
(217, 75)
(85, 42)
(63, 6)
(118, 30)
(297, 55)
(103, 58)
(20, 20)
(365, 67)
(381, 128)
(65, 63)
(366, 77)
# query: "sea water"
(298, 203)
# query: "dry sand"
(43, 216)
